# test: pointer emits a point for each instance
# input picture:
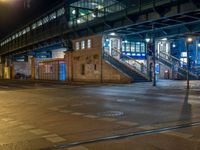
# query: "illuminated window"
(137, 47)
(77, 46)
(132, 46)
(82, 44)
(13, 37)
(33, 26)
(52, 16)
(28, 29)
(45, 19)
(142, 48)
(39, 23)
(24, 31)
(128, 46)
(123, 47)
(60, 12)
(20, 33)
(89, 43)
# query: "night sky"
(16, 14)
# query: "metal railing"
(173, 61)
(129, 62)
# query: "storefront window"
(77, 46)
(82, 44)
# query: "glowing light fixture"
(199, 45)
(74, 12)
(189, 40)
(164, 39)
(78, 21)
(113, 33)
(147, 40)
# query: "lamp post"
(154, 62)
(188, 42)
(147, 40)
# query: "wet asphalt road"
(46, 115)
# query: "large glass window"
(137, 47)
(128, 46)
(132, 46)
(142, 48)
(123, 47)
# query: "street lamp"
(189, 41)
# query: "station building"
(116, 41)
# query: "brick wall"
(86, 65)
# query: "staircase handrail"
(178, 60)
(172, 57)
(126, 64)
(141, 71)
(116, 50)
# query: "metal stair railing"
(139, 68)
(173, 60)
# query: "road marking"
(27, 127)
(91, 116)
(38, 131)
(108, 119)
(78, 148)
(128, 123)
(77, 114)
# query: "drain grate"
(111, 114)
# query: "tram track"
(124, 136)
